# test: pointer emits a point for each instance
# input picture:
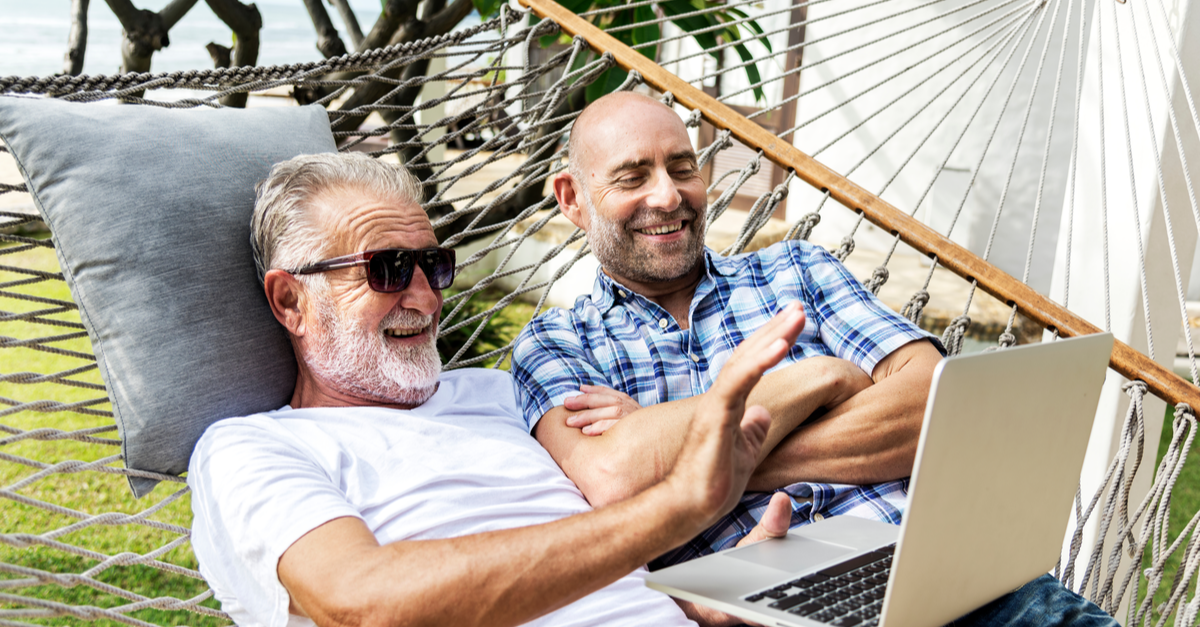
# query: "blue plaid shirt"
(619, 339)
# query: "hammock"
(986, 140)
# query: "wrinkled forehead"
(630, 130)
(354, 220)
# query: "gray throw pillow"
(150, 210)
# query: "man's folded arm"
(641, 447)
(869, 438)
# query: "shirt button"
(817, 517)
(622, 293)
(662, 323)
(695, 358)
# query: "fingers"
(597, 428)
(762, 350)
(590, 400)
(775, 520)
(585, 418)
(756, 421)
(598, 396)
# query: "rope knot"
(1007, 339)
(1136, 389)
(955, 333)
(915, 306)
(1183, 411)
(879, 276)
(844, 250)
(805, 225)
(632, 80)
(780, 192)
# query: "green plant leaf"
(646, 33)
(751, 71)
(753, 25)
(606, 83)
(691, 24)
(695, 25)
(487, 8)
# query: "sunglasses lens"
(390, 270)
(438, 266)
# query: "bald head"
(595, 126)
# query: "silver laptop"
(997, 467)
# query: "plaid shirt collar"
(607, 292)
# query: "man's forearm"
(869, 438)
(498, 578)
(642, 447)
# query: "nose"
(419, 296)
(664, 195)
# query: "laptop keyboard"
(849, 593)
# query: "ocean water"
(33, 35)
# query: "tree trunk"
(77, 40)
(351, 22)
(412, 30)
(246, 22)
(221, 56)
(394, 13)
(524, 198)
(145, 32)
(329, 43)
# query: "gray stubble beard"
(361, 361)
(618, 253)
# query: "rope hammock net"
(958, 139)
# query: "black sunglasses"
(391, 269)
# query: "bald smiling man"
(610, 386)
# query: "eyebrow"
(631, 164)
(628, 164)
(683, 155)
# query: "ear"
(568, 192)
(285, 294)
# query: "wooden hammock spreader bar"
(1125, 360)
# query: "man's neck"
(675, 295)
(312, 392)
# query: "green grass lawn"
(1185, 501)
(93, 492)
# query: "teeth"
(663, 230)
(401, 332)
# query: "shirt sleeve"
(550, 362)
(254, 493)
(851, 320)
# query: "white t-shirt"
(460, 464)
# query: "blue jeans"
(1043, 601)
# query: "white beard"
(362, 362)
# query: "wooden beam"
(1125, 360)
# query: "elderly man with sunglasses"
(387, 492)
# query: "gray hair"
(282, 232)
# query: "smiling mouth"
(402, 333)
(663, 229)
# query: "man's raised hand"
(722, 445)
